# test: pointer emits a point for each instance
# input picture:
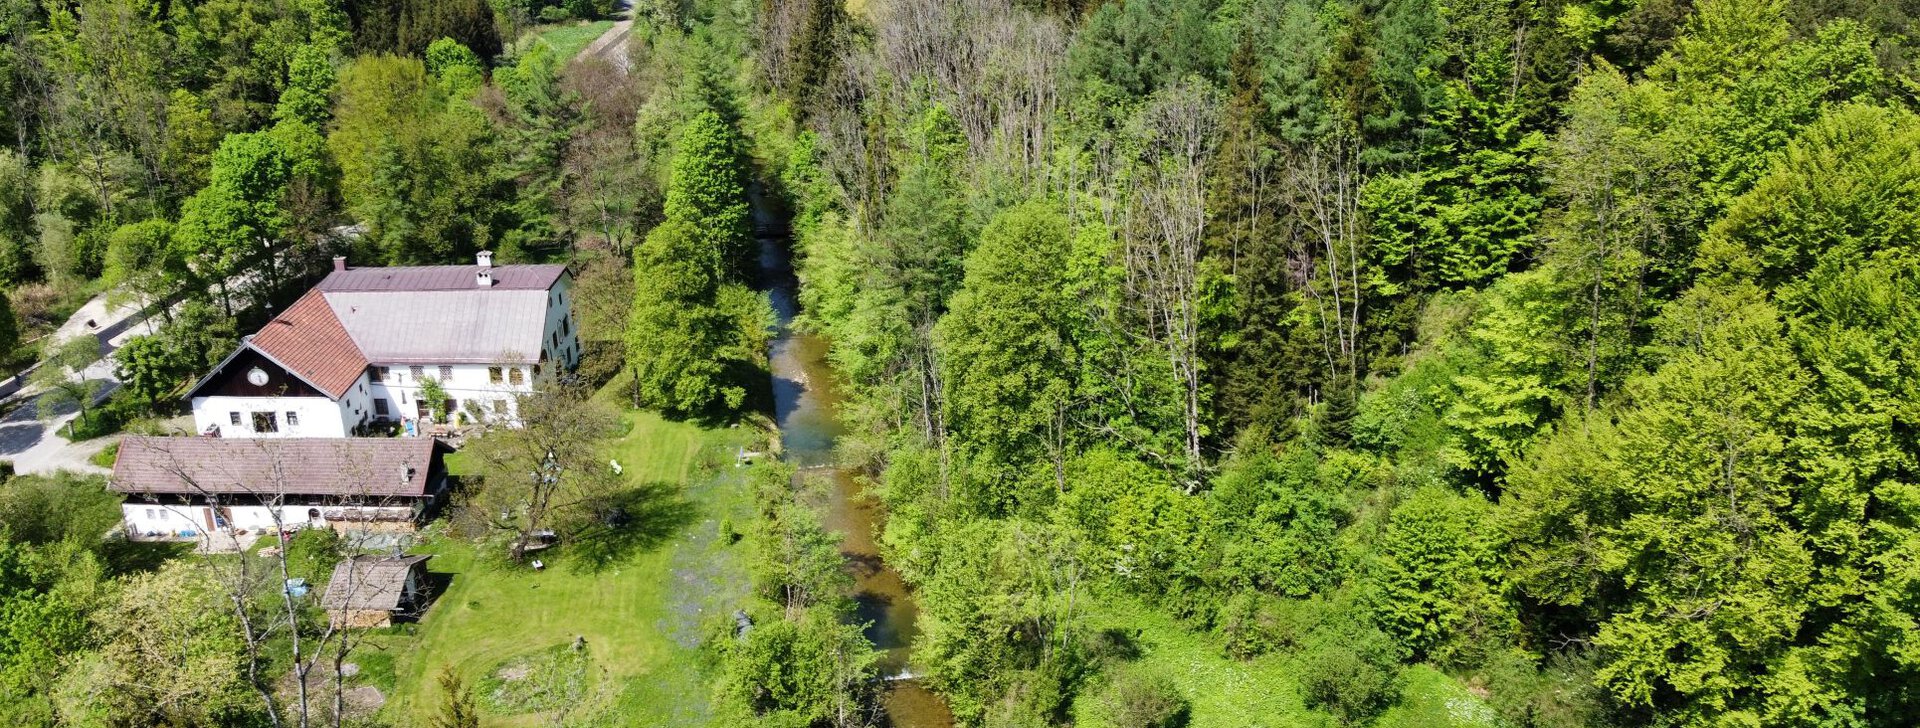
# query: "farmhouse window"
(495, 375)
(516, 375)
(293, 418)
(265, 422)
(446, 373)
(234, 417)
(380, 407)
(418, 372)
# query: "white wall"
(356, 406)
(560, 308)
(464, 382)
(318, 416)
(170, 519)
(143, 518)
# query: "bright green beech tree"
(1006, 345)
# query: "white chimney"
(484, 277)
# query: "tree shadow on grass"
(631, 521)
(129, 557)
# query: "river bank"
(806, 405)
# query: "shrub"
(1352, 676)
(1560, 693)
(1137, 696)
(312, 553)
(1243, 623)
(105, 457)
(109, 418)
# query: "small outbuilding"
(370, 590)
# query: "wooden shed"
(369, 591)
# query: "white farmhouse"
(354, 351)
(190, 487)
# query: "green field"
(567, 39)
(1262, 693)
(639, 617)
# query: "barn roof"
(355, 466)
(466, 326)
(369, 582)
(441, 278)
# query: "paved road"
(612, 45)
(33, 444)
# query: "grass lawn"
(1223, 692)
(640, 618)
(1261, 693)
(567, 39)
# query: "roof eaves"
(246, 342)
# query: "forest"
(1554, 358)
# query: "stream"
(807, 412)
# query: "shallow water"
(806, 408)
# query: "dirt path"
(612, 45)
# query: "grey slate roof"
(465, 326)
(441, 278)
(354, 466)
(369, 582)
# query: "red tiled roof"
(352, 466)
(309, 341)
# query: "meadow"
(638, 620)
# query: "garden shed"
(370, 590)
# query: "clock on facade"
(258, 376)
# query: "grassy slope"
(639, 617)
(567, 40)
(1223, 692)
(1261, 693)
